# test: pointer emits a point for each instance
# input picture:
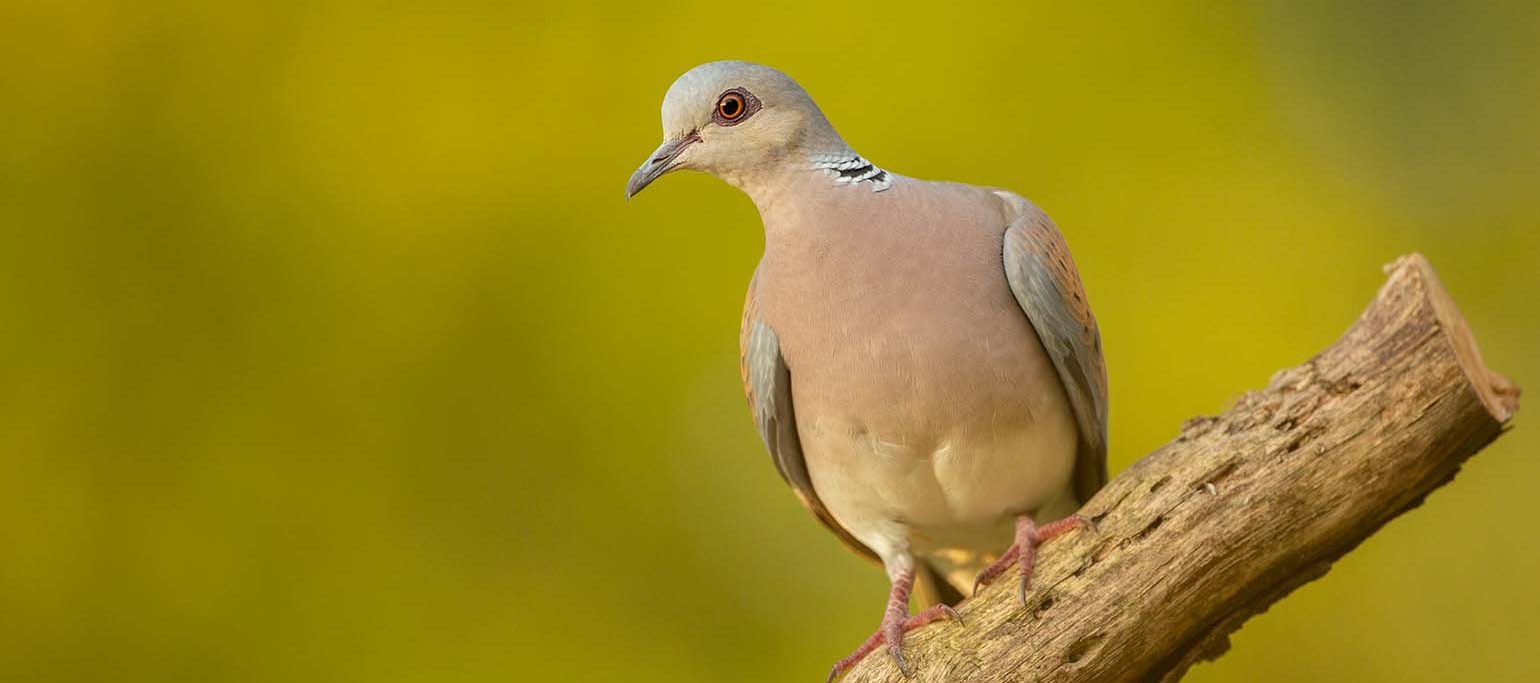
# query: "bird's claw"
(898, 658)
(953, 614)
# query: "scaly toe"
(993, 571)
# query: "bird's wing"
(767, 383)
(1046, 285)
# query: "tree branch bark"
(1240, 509)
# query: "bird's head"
(738, 121)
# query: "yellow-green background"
(329, 350)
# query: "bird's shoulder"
(950, 206)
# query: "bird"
(920, 357)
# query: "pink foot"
(1024, 551)
(894, 626)
(933, 613)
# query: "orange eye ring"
(732, 106)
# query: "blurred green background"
(331, 351)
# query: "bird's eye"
(731, 106)
(734, 106)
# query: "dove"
(919, 357)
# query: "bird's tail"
(931, 587)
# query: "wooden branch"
(1240, 509)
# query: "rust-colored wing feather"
(767, 383)
(1047, 287)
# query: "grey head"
(744, 123)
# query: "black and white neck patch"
(850, 168)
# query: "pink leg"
(1024, 551)
(895, 625)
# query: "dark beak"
(663, 160)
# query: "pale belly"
(953, 495)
